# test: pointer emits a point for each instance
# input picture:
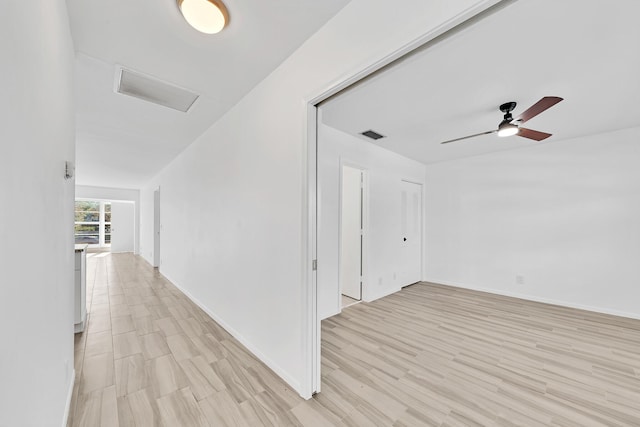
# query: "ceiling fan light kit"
(510, 126)
(507, 129)
(206, 16)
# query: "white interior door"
(122, 226)
(156, 228)
(351, 233)
(411, 233)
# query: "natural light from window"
(93, 223)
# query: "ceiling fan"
(510, 126)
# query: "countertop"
(81, 247)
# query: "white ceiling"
(123, 141)
(587, 52)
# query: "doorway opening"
(352, 235)
(156, 228)
(397, 240)
(411, 229)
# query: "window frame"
(101, 223)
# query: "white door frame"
(422, 224)
(156, 227)
(310, 383)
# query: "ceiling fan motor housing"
(508, 107)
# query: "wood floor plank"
(122, 324)
(97, 373)
(126, 344)
(165, 375)
(223, 407)
(153, 345)
(181, 409)
(167, 326)
(144, 408)
(98, 343)
(131, 374)
(98, 408)
(182, 347)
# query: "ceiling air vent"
(371, 134)
(153, 90)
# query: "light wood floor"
(347, 301)
(428, 355)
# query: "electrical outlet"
(519, 280)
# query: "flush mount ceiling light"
(206, 16)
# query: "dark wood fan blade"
(533, 134)
(537, 108)
(469, 136)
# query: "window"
(107, 223)
(93, 223)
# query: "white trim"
(310, 341)
(536, 299)
(157, 228)
(147, 260)
(412, 181)
(246, 343)
(311, 323)
(425, 261)
(67, 405)
(360, 72)
(383, 294)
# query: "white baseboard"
(150, 262)
(364, 299)
(331, 314)
(67, 406)
(371, 298)
(293, 383)
(536, 298)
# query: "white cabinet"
(80, 306)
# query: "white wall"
(385, 171)
(564, 215)
(36, 215)
(118, 194)
(234, 202)
(146, 220)
(123, 227)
